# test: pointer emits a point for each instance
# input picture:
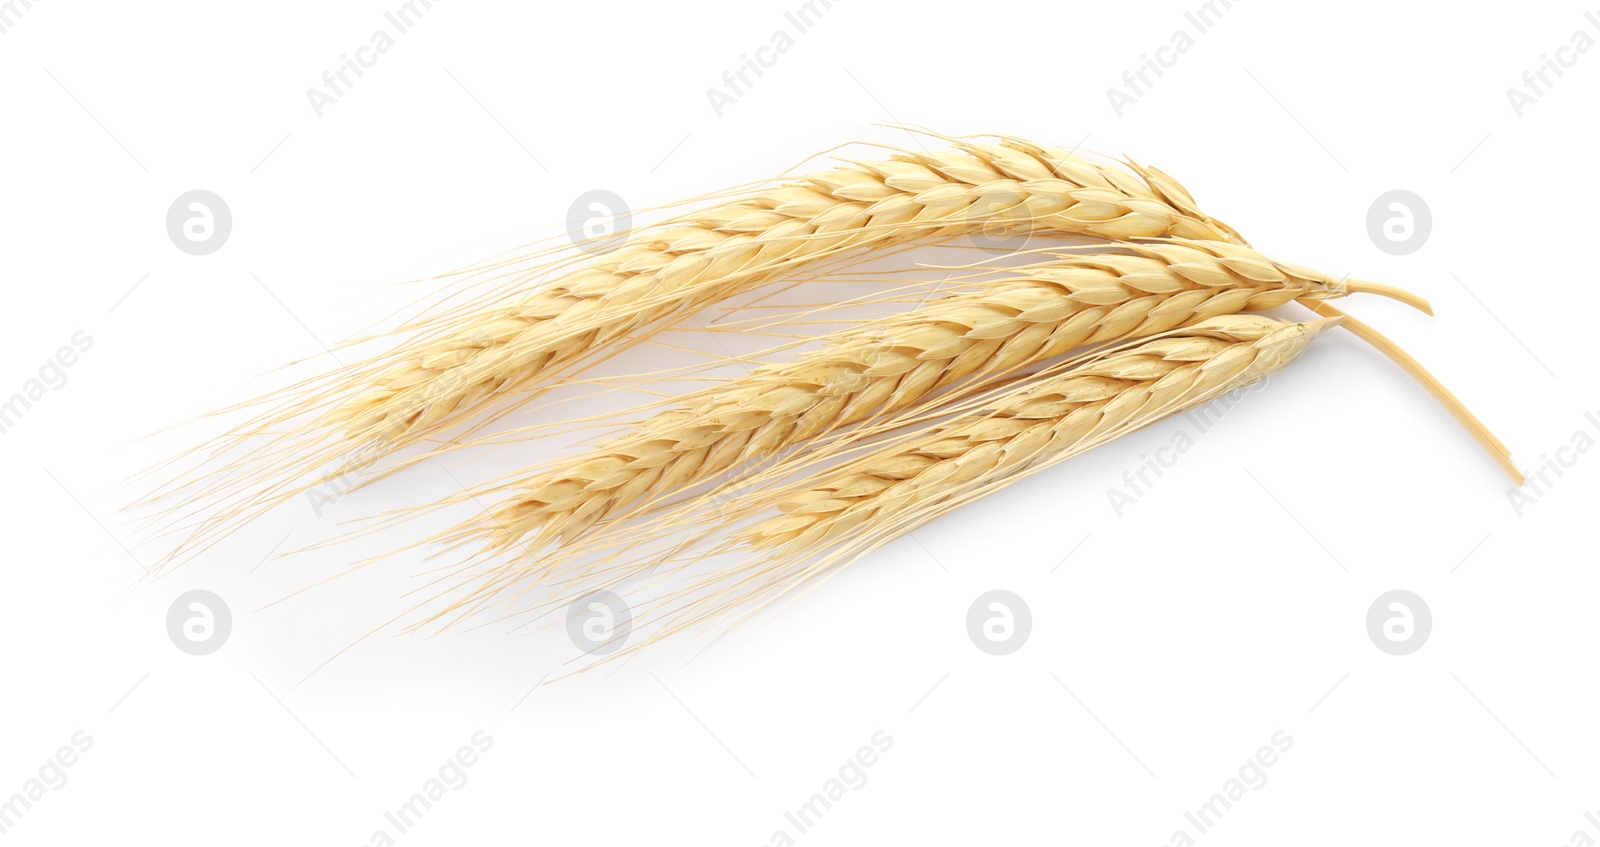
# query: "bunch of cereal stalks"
(818, 456)
(880, 368)
(467, 365)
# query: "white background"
(1229, 603)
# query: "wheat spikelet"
(882, 367)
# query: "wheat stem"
(1480, 432)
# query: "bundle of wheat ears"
(1140, 306)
